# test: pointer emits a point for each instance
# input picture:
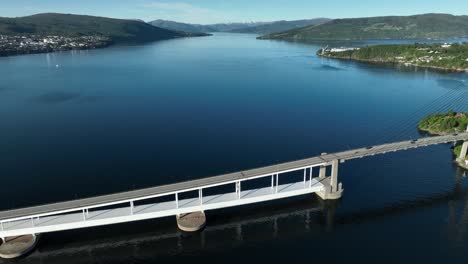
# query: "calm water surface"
(122, 118)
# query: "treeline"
(425, 26)
(445, 123)
(450, 56)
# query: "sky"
(221, 11)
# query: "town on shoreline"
(32, 44)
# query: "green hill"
(177, 26)
(444, 123)
(452, 57)
(279, 26)
(118, 30)
(427, 26)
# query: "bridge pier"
(332, 190)
(463, 152)
(15, 247)
(191, 222)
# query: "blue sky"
(214, 11)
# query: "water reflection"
(453, 83)
(457, 222)
(326, 67)
(290, 107)
(232, 228)
(225, 230)
(56, 97)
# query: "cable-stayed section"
(402, 129)
(399, 128)
(455, 104)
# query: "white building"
(446, 45)
(342, 49)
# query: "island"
(442, 56)
(447, 123)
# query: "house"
(446, 45)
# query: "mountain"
(177, 26)
(280, 26)
(426, 26)
(251, 27)
(227, 27)
(194, 28)
(118, 30)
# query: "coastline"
(104, 45)
(3, 55)
(433, 133)
(406, 64)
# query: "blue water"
(77, 124)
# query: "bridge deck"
(231, 177)
(155, 210)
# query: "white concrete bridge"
(191, 196)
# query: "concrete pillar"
(332, 189)
(334, 176)
(191, 222)
(323, 171)
(463, 152)
(15, 247)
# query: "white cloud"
(185, 12)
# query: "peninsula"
(444, 56)
(444, 124)
(425, 26)
(50, 32)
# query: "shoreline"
(456, 161)
(51, 51)
(103, 46)
(433, 133)
(406, 64)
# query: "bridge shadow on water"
(159, 240)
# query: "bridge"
(186, 199)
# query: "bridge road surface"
(63, 207)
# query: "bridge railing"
(35, 218)
(33, 215)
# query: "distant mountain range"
(251, 27)
(118, 30)
(426, 26)
(193, 28)
(279, 26)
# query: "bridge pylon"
(333, 189)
